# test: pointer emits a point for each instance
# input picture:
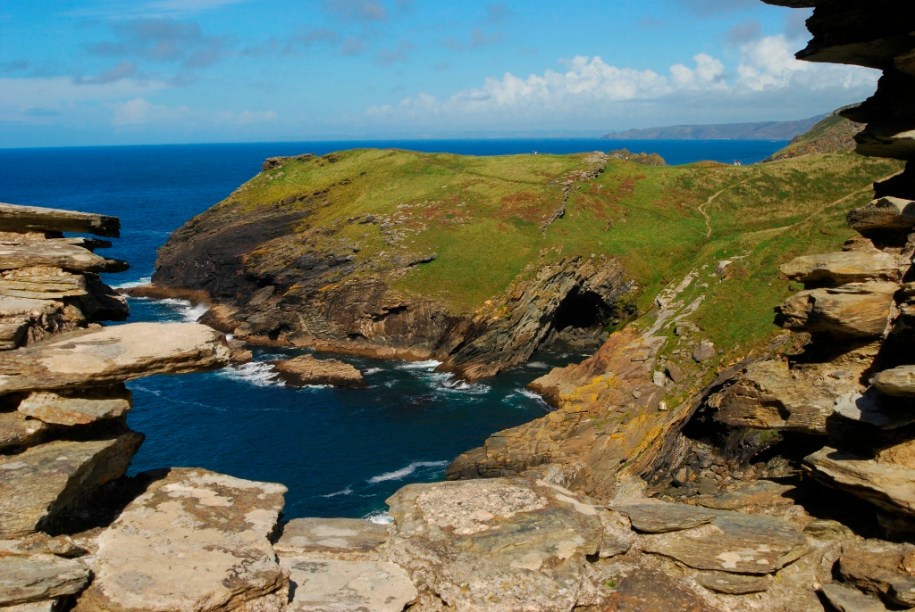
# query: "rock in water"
(194, 541)
(112, 355)
(306, 370)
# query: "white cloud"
(139, 111)
(590, 91)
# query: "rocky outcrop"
(307, 370)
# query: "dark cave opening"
(585, 310)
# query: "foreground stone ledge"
(857, 310)
(193, 541)
(844, 267)
(112, 355)
(889, 486)
(52, 253)
(46, 483)
(18, 218)
(35, 578)
(329, 584)
(882, 568)
(338, 537)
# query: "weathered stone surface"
(882, 568)
(41, 283)
(660, 517)
(886, 213)
(335, 585)
(194, 540)
(769, 395)
(856, 310)
(17, 218)
(494, 544)
(17, 431)
(35, 578)
(307, 370)
(749, 496)
(337, 536)
(844, 267)
(51, 253)
(732, 584)
(847, 599)
(892, 140)
(888, 486)
(76, 407)
(873, 409)
(112, 355)
(42, 484)
(732, 542)
(897, 382)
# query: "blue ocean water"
(340, 452)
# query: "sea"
(340, 452)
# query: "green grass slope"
(468, 227)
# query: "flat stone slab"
(843, 267)
(112, 355)
(888, 486)
(194, 540)
(330, 584)
(17, 218)
(339, 537)
(753, 494)
(76, 407)
(307, 370)
(17, 431)
(873, 409)
(897, 382)
(43, 484)
(848, 599)
(733, 584)
(52, 253)
(42, 283)
(887, 213)
(882, 568)
(858, 310)
(35, 578)
(733, 542)
(661, 517)
(494, 544)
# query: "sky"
(97, 72)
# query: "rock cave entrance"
(580, 320)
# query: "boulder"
(886, 213)
(882, 568)
(888, 486)
(728, 542)
(897, 382)
(43, 485)
(17, 218)
(340, 537)
(307, 370)
(843, 267)
(51, 253)
(36, 578)
(17, 431)
(193, 541)
(76, 407)
(494, 544)
(335, 585)
(112, 355)
(856, 310)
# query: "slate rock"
(843, 267)
(848, 599)
(495, 543)
(356, 538)
(17, 431)
(733, 584)
(76, 407)
(112, 355)
(855, 310)
(889, 486)
(307, 370)
(733, 542)
(897, 382)
(35, 578)
(18, 218)
(15, 255)
(338, 585)
(883, 568)
(662, 517)
(42, 485)
(874, 409)
(886, 213)
(194, 540)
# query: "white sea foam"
(256, 373)
(464, 387)
(429, 364)
(379, 517)
(346, 491)
(405, 471)
(530, 394)
(144, 280)
(188, 312)
(371, 371)
(537, 365)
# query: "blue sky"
(173, 71)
